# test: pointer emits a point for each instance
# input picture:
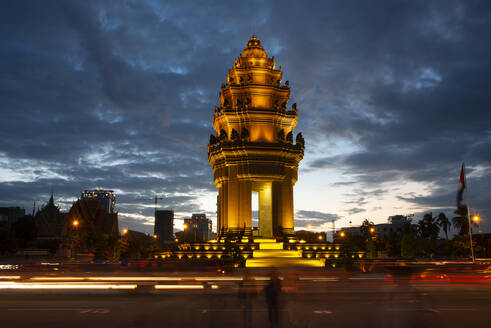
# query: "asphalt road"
(316, 304)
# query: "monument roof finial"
(254, 48)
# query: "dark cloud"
(355, 210)
(121, 94)
(316, 216)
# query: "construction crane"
(157, 198)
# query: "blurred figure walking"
(247, 292)
(273, 294)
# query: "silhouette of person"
(247, 291)
(273, 293)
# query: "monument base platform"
(272, 254)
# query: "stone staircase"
(272, 254)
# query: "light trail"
(17, 285)
(180, 287)
(57, 278)
(9, 277)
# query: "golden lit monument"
(254, 149)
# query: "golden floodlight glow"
(372, 230)
(255, 148)
(475, 218)
(342, 234)
(75, 223)
(185, 226)
(125, 231)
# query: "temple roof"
(254, 48)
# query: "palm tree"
(427, 227)
(444, 223)
(461, 221)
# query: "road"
(308, 300)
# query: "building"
(11, 214)
(396, 225)
(49, 221)
(198, 228)
(254, 149)
(164, 226)
(87, 223)
(106, 198)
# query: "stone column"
(286, 223)
(266, 210)
(245, 206)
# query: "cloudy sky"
(392, 97)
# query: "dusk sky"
(392, 96)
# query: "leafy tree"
(407, 246)
(444, 223)
(392, 245)
(366, 227)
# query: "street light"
(342, 234)
(75, 223)
(320, 237)
(372, 229)
(155, 236)
(125, 231)
(185, 226)
(477, 219)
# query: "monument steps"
(272, 254)
(275, 253)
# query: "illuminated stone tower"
(254, 149)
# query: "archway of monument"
(264, 190)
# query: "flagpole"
(468, 212)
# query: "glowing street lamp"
(372, 229)
(185, 226)
(342, 234)
(75, 223)
(125, 231)
(476, 218)
(155, 236)
(320, 237)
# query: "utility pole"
(333, 229)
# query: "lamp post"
(477, 219)
(75, 224)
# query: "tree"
(444, 223)
(407, 246)
(366, 228)
(428, 234)
(461, 221)
(428, 228)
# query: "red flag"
(460, 190)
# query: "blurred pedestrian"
(273, 293)
(247, 292)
